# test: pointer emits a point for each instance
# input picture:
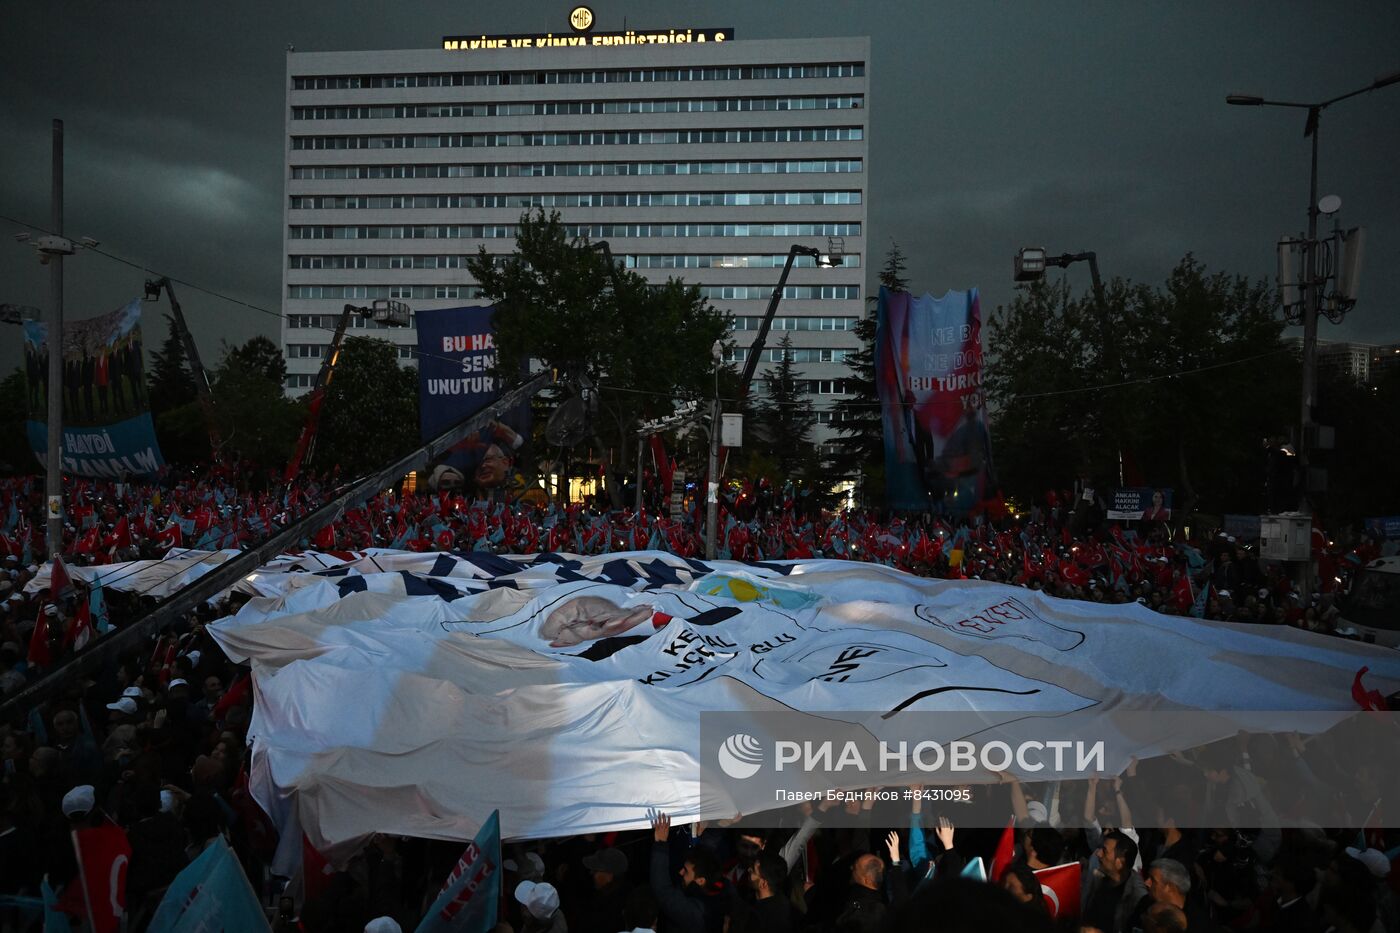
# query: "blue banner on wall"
(107, 427)
(456, 359)
(928, 368)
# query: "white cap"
(124, 705)
(134, 692)
(179, 682)
(539, 898)
(79, 800)
(167, 801)
(50, 610)
(383, 925)
(194, 658)
(1374, 860)
(1036, 811)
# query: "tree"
(257, 355)
(171, 382)
(784, 419)
(255, 420)
(642, 345)
(1185, 380)
(858, 420)
(16, 456)
(370, 413)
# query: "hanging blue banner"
(928, 369)
(107, 427)
(456, 359)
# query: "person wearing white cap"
(383, 925)
(1374, 860)
(541, 913)
(123, 709)
(79, 802)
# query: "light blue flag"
(1198, 608)
(55, 920)
(97, 606)
(975, 870)
(468, 902)
(212, 893)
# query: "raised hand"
(660, 826)
(944, 831)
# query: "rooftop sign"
(581, 22)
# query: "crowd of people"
(155, 740)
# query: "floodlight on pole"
(1030, 264)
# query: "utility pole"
(54, 482)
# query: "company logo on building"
(581, 18)
(741, 756)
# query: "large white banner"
(415, 693)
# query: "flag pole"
(82, 880)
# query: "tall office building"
(702, 160)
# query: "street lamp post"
(1312, 296)
(1031, 263)
(712, 477)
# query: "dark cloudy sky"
(1072, 125)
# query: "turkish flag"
(1006, 851)
(1060, 888)
(81, 631)
(39, 654)
(103, 855)
(121, 534)
(60, 584)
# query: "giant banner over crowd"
(928, 369)
(568, 691)
(107, 427)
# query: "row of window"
(384, 291)
(314, 351)
(794, 355)
(574, 107)
(611, 76)
(576, 169)
(574, 199)
(592, 231)
(329, 322)
(630, 261)
(797, 134)
(791, 292)
(716, 292)
(796, 323)
(763, 261)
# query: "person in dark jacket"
(771, 910)
(700, 903)
(604, 910)
(865, 909)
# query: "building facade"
(1361, 363)
(703, 161)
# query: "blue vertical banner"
(456, 378)
(107, 427)
(456, 356)
(928, 370)
(470, 900)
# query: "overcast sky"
(1071, 125)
